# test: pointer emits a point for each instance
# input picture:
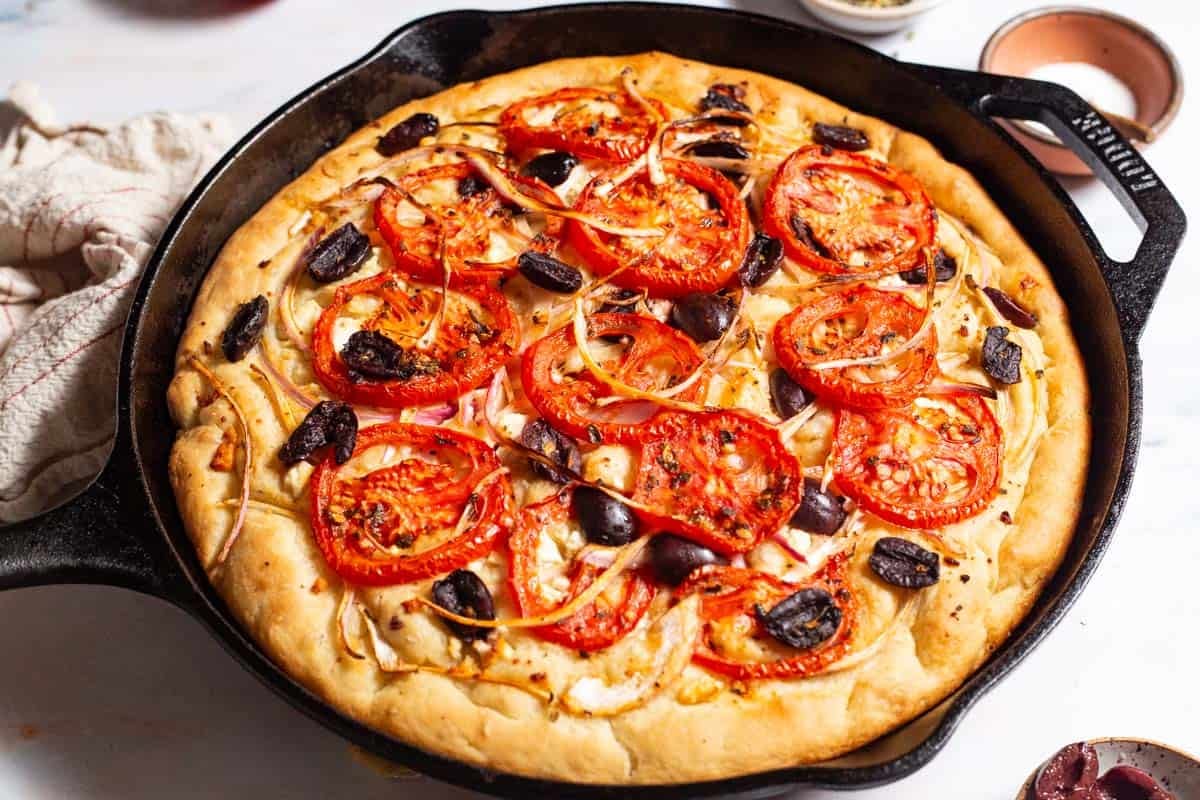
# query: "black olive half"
(674, 558)
(329, 422)
(551, 168)
(724, 96)
(820, 510)
(339, 254)
(787, 397)
(472, 185)
(1009, 308)
(802, 620)
(604, 519)
(549, 273)
(762, 260)
(704, 317)
(1001, 358)
(840, 136)
(904, 563)
(245, 328)
(541, 437)
(944, 267)
(407, 134)
(463, 593)
(717, 148)
(370, 355)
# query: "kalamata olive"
(788, 398)
(339, 254)
(674, 558)
(717, 148)
(1075, 767)
(802, 620)
(904, 563)
(1001, 358)
(762, 260)
(603, 518)
(840, 136)
(1009, 308)
(944, 267)
(245, 328)
(472, 185)
(551, 168)
(820, 510)
(329, 422)
(703, 317)
(407, 134)
(370, 355)
(1124, 782)
(620, 302)
(541, 437)
(463, 593)
(724, 96)
(549, 273)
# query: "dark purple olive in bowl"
(1115, 769)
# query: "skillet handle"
(92, 538)
(1134, 284)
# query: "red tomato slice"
(721, 478)
(839, 212)
(707, 230)
(925, 466)
(729, 595)
(653, 356)
(478, 334)
(597, 625)
(469, 227)
(394, 524)
(587, 122)
(857, 323)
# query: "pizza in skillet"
(629, 420)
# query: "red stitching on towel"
(46, 373)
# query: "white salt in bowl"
(864, 19)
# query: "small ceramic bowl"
(1123, 48)
(867, 19)
(1175, 770)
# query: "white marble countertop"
(106, 694)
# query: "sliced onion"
(789, 427)
(345, 613)
(300, 222)
(289, 388)
(282, 406)
(609, 380)
(624, 557)
(903, 619)
(945, 387)
(434, 415)
(244, 500)
(780, 538)
(286, 308)
(671, 638)
(509, 191)
(385, 655)
(738, 560)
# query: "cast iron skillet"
(125, 529)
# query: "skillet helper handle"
(1134, 284)
(91, 538)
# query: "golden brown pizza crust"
(282, 592)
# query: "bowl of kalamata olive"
(869, 16)
(1115, 769)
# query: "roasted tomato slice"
(733, 642)
(840, 212)
(476, 335)
(640, 351)
(434, 504)
(706, 229)
(857, 323)
(593, 123)
(612, 615)
(450, 209)
(931, 464)
(721, 478)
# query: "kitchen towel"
(81, 208)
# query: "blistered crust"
(277, 585)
